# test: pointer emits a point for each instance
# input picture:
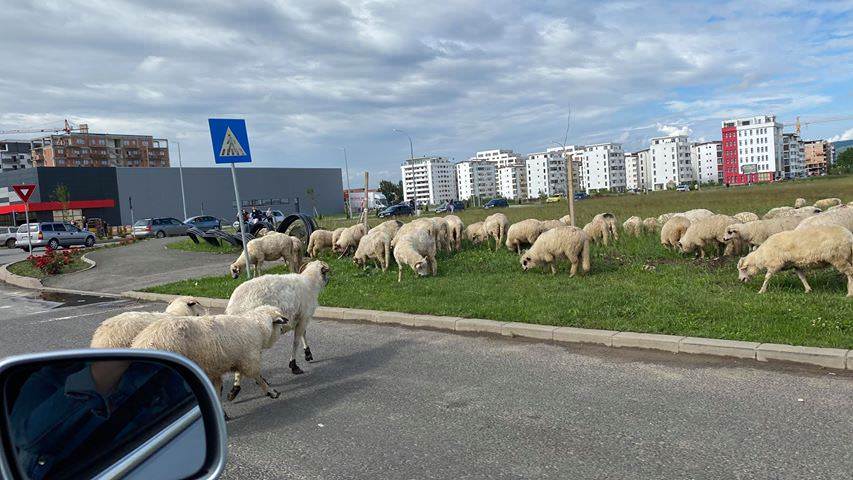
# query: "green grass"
(26, 269)
(634, 285)
(188, 245)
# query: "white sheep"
(827, 202)
(707, 231)
(611, 222)
(598, 230)
(662, 218)
(522, 234)
(455, 230)
(319, 241)
(419, 224)
(416, 249)
(336, 234)
(442, 233)
(349, 238)
(295, 294)
(673, 230)
(390, 227)
(784, 211)
(633, 226)
(776, 212)
(745, 217)
(219, 344)
(757, 232)
(271, 246)
(376, 246)
(650, 224)
(842, 216)
(563, 243)
(474, 233)
(119, 330)
(811, 247)
(697, 214)
(800, 202)
(495, 227)
(263, 231)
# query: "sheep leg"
(294, 368)
(766, 280)
(433, 265)
(553, 268)
(850, 284)
(574, 269)
(803, 279)
(235, 389)
(399, 273)
(265, 387)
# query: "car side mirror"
(109, 414)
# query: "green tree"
(844, 162)
(392, 191)
(62, 195)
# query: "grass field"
(634, 285)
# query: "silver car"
(8, 236)
(159, 227)
(53, 235)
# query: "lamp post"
(412, 163)
(181, 174)
(349, 192)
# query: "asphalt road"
(390, 402)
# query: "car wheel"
(161, 234)
(90, 241)
(53, 244)
(10, 243)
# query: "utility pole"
(569, 169)
(349, 192)
(412, 164)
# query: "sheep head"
(317, 268)
(528, 262)
(235, 269)
(732, 231)
(422, 267)
(746, 268)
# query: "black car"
(396, 210)
(496, 203)
(457, 205)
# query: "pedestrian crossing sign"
(230, 140)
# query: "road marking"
(5, 306)
(69, 317)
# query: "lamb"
(842, 216)
(633, 226)
(757, 232)
(417, 250)
(495, 227)
(442, 233)
(706, 231)
(474, 233)
(119, 331)
(673, 230)
(349, 239)
(611, 222)
(800, 202)
(523, 234)
(219, 343)
(809, 247)
(295, 294)
(827, 202)
(598, 230)
(557, 244)
(376, 246)
(745, 217)
(271, 246)
(390, 227)
(319, 241)
(650, 225)
(455, 231)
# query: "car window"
(157, 221)
(140, 223)
(175, 221)
(58, 227)
(47, 227)
(71, 228)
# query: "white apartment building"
(433, 179)
(603, 167)
(501, 157)
(670, 162)
(636, 166)
(512, 182)
(752, 151)
(476, 179)
(546, 174)
(571, 152)
(793, 156)
(15, 155)
(706, 161)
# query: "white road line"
(69, 317)
(5, 306)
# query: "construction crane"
(67, 128)
(798, 124)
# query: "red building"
(752, 150)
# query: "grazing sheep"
(119, 331)
(349, 239)
(827, 202)
(390, 227)
(563, 243)
(663, 218)
(376, 246)
(704, 232)
(611, 222)
(810, 247)
(219, 344)
(783, 211)
(523, 234)
(800, 203)
(271, 246)
(633, 226)
(697, 214)
(757, 232)
(598, 230)
(550, 224)
(419, 224)
(777, 212)
(336, 234)
(673, 230)
(475, 234)
(495, 227)
(455, 231)
(442, 234)
(417, 250)
(319, 241)
(744, 217)
(842, 216)
(650, 225)
(843, 205)
(566, 219)
(295, 294)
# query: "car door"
(177, 227)
(75, 235)
(59, 233)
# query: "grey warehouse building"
(107, 192)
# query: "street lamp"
(412, 163)
(349, 192)
(571, 187)
(181, 174)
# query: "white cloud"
(846, 135)
(151, 63)
(670, 130)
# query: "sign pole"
(240, 218)
(29, 238)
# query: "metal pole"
(132, 221)
(181, 173)
(571, 188)
(349, 192)
(412, 164)
(366, 180)
(240, 218)
(29, 238)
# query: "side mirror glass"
(108, 414)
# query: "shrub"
(51, 262)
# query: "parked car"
(581, 196)
(457, 205)
(204, 222)
(53, 235)
(277, 215)
(396, 210)
(682, 188)
(554, 199)
(496, 203)
(7, 236)
(159, 227)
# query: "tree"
(62, 195)
(844, 162)
(392, 191)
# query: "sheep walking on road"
(319, 241)
(563, 243)
(416, 249)
(455, 232)
(271, 246)
(810, 247)
(119, 331)
(376, 246)
(495, 227)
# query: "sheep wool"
(376, 246)
(662, 219)
(119, 331)
(611, 222)
(705, 232)
(842, 216)
(319, 241)
(390, 227)
(419, 224)
(650, 224)
(744, 217)
(442, 233)
(495, 227)
(563, 243)
(271, 246)
(697, 214)
(455, 231)
(522, 234)
(598, 231)
(336, 234)
(348, 241)
(673, 230)
(800, 202)
(827, 202)
(757, 232)
(417, 250)
(633, 226)
(474, 233)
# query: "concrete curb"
(834, 358)
(18, 280)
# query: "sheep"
(455, 230)
(295, 294)
(419, 224)
(611, 222)
(523, 234)
(557, 244)
(810, 247)
(551, 224)
(119, 331)
(697, 214)
(263, 231)
(745, 217)
(336, 234)
(800, 202)
(390, 227)
(442, 233)
(271, 246)
(416, 249)
(757, 232)
(673, 230)
(706, 231)
(598, 230)
(495, 227)
(633, 226)
(319, 241)
(376, 245)
(349, 239)
(663, 218)
(474, 233)
(650, 225)
(842, 216)
(827, 202)
(219, 343)
(566, 219)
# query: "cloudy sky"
(313, 76)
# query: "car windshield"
(33, 227)
(141, 223)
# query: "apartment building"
(818, 155)
(512, 182)
(84, 149)
(15, 155)
(706, 160)
(572, 153)
(603, 167)
(501, 157)
(429, 180)
(670, 162)
(793, 156)
(546, 174)
(476, 179)
(752, 150)
(636, 166)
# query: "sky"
(314, 77)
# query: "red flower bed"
(52, 261)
